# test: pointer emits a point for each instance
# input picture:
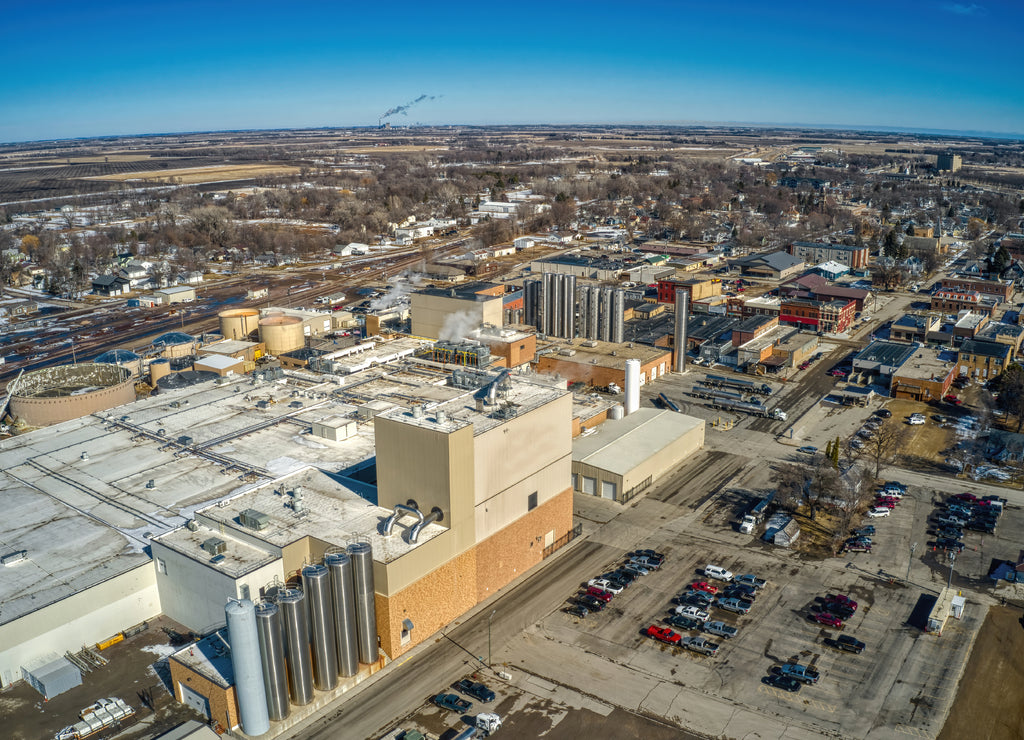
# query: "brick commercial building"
(926, 376)
(980, 359)
(996, 289)
(828, 317)
(814, 253)
(602, 363)
(953, 301)
(696, 289)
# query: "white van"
(718, 573)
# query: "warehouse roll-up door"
(608, 489)
(195, 700)
(589, 485)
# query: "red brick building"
(829, 317)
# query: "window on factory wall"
(531, 501)
(161, 566)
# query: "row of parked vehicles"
(964, 511)
(692, 610)
(598, 592)
(832, 610)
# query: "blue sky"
(76, 69)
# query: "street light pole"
(952, 559)
(489, 637)
(913, 547)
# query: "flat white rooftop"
(620, 445)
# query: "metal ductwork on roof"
(435, 515)
(401, 510)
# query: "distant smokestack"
(682, 315)
(632, 386)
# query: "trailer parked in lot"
(747, 386)
(754, 409)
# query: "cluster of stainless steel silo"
(306, 638)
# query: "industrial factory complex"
(313, 510)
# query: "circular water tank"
(172, 338)
(281, 334)
(123, 358)
(616, 412)
(238, 323)
(157, 370)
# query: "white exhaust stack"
(632, 386)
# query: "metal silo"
(292, 603)
(366, 611)
(316, 582)
(245, 663)
(340, 566)
(275, 678)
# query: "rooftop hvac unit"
(253, 519)
(192, 525)
(215, 546)
(14, 557)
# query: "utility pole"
(489, 637)
(913, 546)
(952, 559)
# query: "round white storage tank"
(616, 412)
(238, 323)
(247, 667)
(632, 386)
(282, 334)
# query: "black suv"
(846, 642)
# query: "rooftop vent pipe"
(435, 515)
(400, 511)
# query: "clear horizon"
(90, 70)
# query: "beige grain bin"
(238, 323)
(281, 334)
(157, 370)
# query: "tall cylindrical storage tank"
(282, 334)
(238, 323)
(316, 583)
(245, 663)
(275, 677)
(292, 603)
(158, 369)
(340, 566)
(361, 554)
(632, 386)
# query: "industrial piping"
(435, 515)
(399, 512)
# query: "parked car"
(718, 573)
(643, 563)
(452, 702)
(695, 598)
(800, 672)
(879, 511)
(635, 568)
(740, 591)
(839, 610)
(887, 503)
(785, 683)
(652, 555)
(748, 579)
(846, 642)
(577, 610)
(916, 419)
(952, 520)
(981, 525)
(475, 689)
(700, 645)
(733, 605)
(949, 544)
(703, 586)
(605, 585)
(807, 450)
(866, 530)
(841, 599)
(949, 531)
(692, 611)
(594, 605)
(857, 546)
(663, 634)
(622, 576)
(720, 628)
(684, 623)
(893, 488)
(965, 497)
(597, 593)
(824, 618)
(884, 413)
(950, 398)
